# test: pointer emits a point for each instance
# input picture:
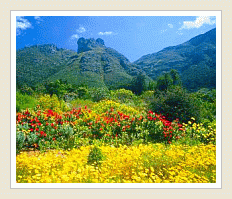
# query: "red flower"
(100, 129)
(53, 138)
(37, 129)
(31, 130)
(150, 112)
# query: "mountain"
(93, 64)
(195, 60)
(35, 64)
(96, 65)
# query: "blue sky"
(133, 36)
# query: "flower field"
(112, 143)
(143, 164)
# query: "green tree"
(138, 84)
(59, 87)
(164, 82)
(151, 85)
(175, 77)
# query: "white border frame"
(118, 185)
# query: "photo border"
(216, 185)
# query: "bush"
(52, 102)
(207, 101)
(147, 96)
(20, 138)
(95, 156)
(24, 101)
(98, 94)
(176, 103)
(122, 95)
(107, 105)
(82, 92)
(138, 84)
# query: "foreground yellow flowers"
(154, 163)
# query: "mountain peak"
(89, 44)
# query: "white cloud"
(22, 24)
(81, 30)
(75, 36)
(105, 33)
(73, 39)
(179, 33)
(170, 25)
(199, 21)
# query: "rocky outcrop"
(89, 44)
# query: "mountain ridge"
(96, 65)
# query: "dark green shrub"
(164, 82)
(176, 103)
(168, 79)
(82, 92)
(207, 100)
(138, 84)
(95, 156)
(147, 96)
(98, 94)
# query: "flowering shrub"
(52, 102)
(50, 129)
(106, 105)
(200, 132)
(122, 95)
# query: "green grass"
(24, 101)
